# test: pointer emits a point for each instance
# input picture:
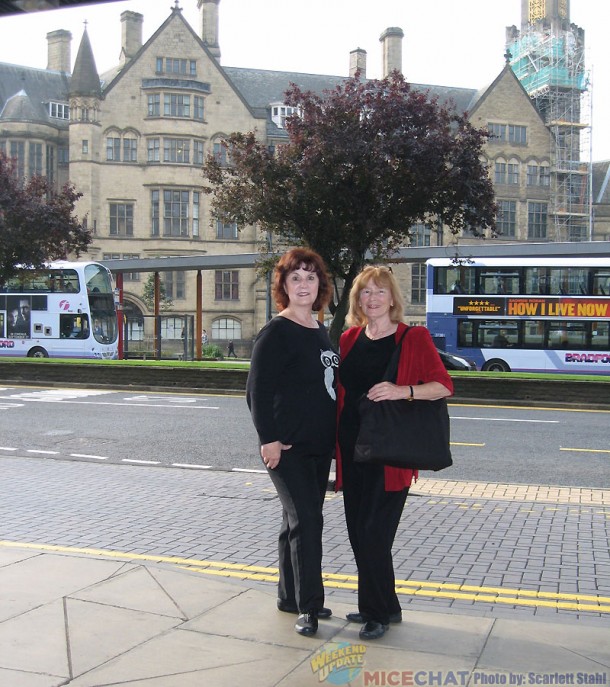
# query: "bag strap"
(391, 371)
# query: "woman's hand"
(271, 453)
(386, 391)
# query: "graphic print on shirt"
(330, 360)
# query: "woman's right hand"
(272, 452)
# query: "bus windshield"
(100, 293)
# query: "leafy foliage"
(36, 223)
(212, 351)
(148, 295)
(363, 164)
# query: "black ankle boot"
(307, 624)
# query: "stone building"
(133, 140)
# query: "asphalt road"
(490, 444)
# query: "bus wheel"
(37, 353)
(495, 365)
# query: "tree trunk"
(336, 327)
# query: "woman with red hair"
(292, 399)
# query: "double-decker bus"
(63, 310)
(523, 314)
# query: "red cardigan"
(419, 363)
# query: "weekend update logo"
(338, 663)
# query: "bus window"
(569, 281)
(497, 334)
(454, 279)
(446, 278)
(73, 327)
(68, 282)
(465, 334)
(533, 334)
(537, 281)
(600, 335)
(566, 335)
(499, 282)
(97, 280)
(601, 283)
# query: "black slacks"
(301, 482)
(372, 516)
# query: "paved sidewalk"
(121, 575)
(85, 621)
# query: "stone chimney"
(391, 40)
(131, 35)
(209, 25)
(357, 62)
(58, 59)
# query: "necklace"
(390, 329)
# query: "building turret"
(85, 79)
(85, 135)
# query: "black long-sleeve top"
(291, 386)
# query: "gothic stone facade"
(133, 142)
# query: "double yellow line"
(436, 590)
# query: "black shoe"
(323, 613)
(307, 624)
(359, 618)
(373, 630)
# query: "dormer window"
(279, 112)
(59, 110)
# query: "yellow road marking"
(443, 590)
(586, 450)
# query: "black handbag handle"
(391, 371)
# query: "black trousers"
(301, 482)
(372, 515)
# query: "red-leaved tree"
(36, 223)
(362, 165)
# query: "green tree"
(148, 295)
(362, 165)
(36, 223)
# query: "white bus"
(523, 314)
(64, 310)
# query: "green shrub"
(212, 351)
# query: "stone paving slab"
(492, 550)
(111, 632)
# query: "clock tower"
(547, 56)
(545, 13)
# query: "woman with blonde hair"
(374, 496)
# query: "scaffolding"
(549, 63)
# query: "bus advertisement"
(522, 314)
(64, 310)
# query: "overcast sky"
(446, 43)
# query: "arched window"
(225, 329)
(135, 321)
(513, 170)
(500, 171)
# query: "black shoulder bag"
(403, 434)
